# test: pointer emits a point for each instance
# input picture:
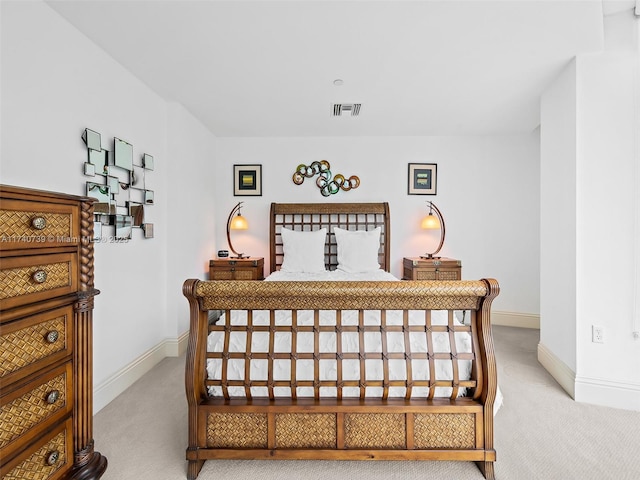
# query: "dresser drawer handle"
(52, 397)
(39, 276)
(53, 457)
(52, 336)
(39, 223)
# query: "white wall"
(193, 221)
(591, 142)
(55, 83)
(558, 213)
(605, 174)
(487, 191)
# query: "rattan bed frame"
(340, 428)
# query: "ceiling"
(267, 68)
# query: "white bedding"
(350, 343)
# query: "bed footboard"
(312, 415)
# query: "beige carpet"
(540, 433)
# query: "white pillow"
(303, 251)
(357, 250)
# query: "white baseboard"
(514, 319)
(127, 376)
(177, 346)
(597, 391)
(600, 391)
(558, 369)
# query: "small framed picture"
(423, 178)
(247, 180)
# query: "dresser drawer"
(233, 274)
(49, 459)
(437, 274)
(33, 278)
(32, 343)
(25, 224)
(30, 409)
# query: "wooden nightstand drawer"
(431, 269)
(34, 278)
(25, 412)
(49, 459)
(31, 343)
(250, 268)
(24, 224)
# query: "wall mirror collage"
(119, 185)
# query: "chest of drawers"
(46, 310)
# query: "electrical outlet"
(597, 334)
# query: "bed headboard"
(314, 216)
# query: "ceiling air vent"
(346, 109)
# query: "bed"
(333, 358)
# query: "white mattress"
(350, 343)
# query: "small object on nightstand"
(442, 268)
(246, 268)
(223, 253)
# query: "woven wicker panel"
(237, 430)
(25, 412)
(244, 274)
(447, 275)
(17, 223)
(25, 346)
(18, 281)
(426, 275)
(444, 430)
(305, 430)
(218, 274)
(374, 430)
(35, 467)
(437, 295)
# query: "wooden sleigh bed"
(312, 415)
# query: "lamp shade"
(238, 222)
(430, 222)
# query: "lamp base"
(429, 256)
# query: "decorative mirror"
(122, 193)
(123, 154)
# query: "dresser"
(442, 268)
(246, 268)
(46, 309)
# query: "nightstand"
(246, 268)
(443, 268)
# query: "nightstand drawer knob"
(53, 396)
(39, 276)
(53, 457)
(52, 336)
(39, 223)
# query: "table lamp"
(237, 222)
(433, 222)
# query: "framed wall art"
(423, 178)
(247, 180)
